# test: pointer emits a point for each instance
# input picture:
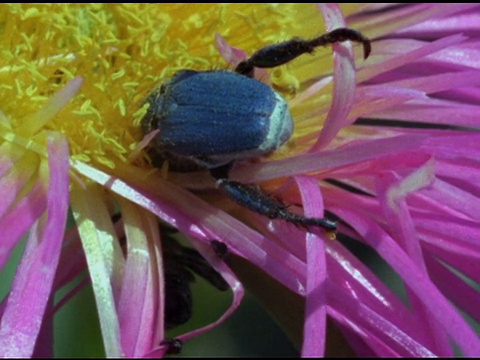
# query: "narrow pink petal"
(32, 286)
(363, 286)
(456, 198)
(344, 79)
(438, 346)
(139, 310)
(229, 276)
(142, 144)
(360, 175)
(43, 348)
(440, 82)
(454, 144)
(404, 16)
(373, 99)
(15, 180)
(355, 152)
(400, 223)
(402, 52)
(9, 156)
(238, 292)
(371, 325)
(367, 290)
(315, 307)
(101, 248)
(444, 144)
(432, 112)
(439, 308)
(459, 258)
(465, 296)
(465, 95)
(441, 226)
(393, 201)
(72, 261)
(363, 349)
(466, 23)
(17, 222)
(233, 56)
(311, 91)
(461, 54)
(229, 53)
(57, 102)
(187, 212)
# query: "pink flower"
(385, 145)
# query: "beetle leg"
(255, 199)
(220, 249)
(174, 346)
(278, 54)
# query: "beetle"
(180, 265)
(210, 119)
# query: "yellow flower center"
(123, 52)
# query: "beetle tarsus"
(308, 222)
(174, 346)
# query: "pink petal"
(431, 111)
(57, 102)
(356, 152)
(17, 222)
(363, 286)
(140, 310)
(229, 53)
(315, 308)
(465, 296)
(400, 223)
(374, 328)
(402, 17)
(32, 286)
(403, 52)
(440, 310)
(103, 254)
(229, 276)
(187, 212)
(466, 23)
(10, 154)
(344, 80)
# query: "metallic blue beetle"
(210, 119)
(199, 123)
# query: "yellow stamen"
(123, 52)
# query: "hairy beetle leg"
(255, 199)
(278, 54)
(220, 249)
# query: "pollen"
(122, 53)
